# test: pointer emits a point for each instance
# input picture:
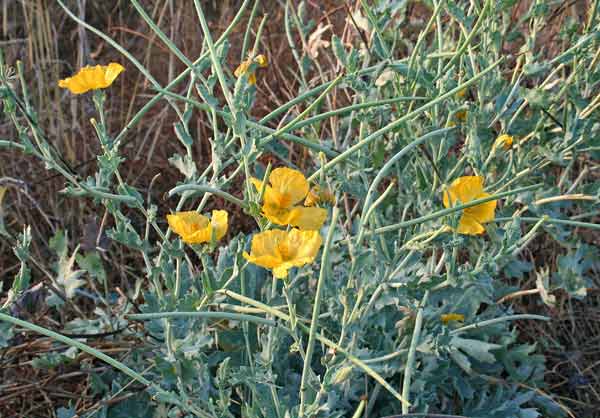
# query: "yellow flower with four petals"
(279, 250)
(463, 190)
(194, 228)
(92, 78)
(286, 189)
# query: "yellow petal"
(463, 189)
(461, 115)
(307, 218)
(242, 69)
(469, 226)
(187, 223)
(266, 261)
(484, 212)
(112, 72)
(505, 141)
(261, 60)
(194, 228)
(266, 243)
(446, 318)
(280, 250)
(218, 222)
(92, 78)
(276, 215)
(290, 183)
(281, 271)
(306, 245)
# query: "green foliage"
(422, 111)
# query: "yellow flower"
(317, 196)
(505, 141)
(194, 228)
(447, 318)
(461, 94)
(92, 78)
(287, 188)
(461, 115)
(281, 250)
(464, 190)
(242, 69)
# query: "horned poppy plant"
(244, 67)
(286, 189)
(194, 228)
(505, 141)
(92, 78)
(463, 190)
(447, 318)
(279, 250)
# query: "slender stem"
(316, 310)
(552, 221)
(207, 189)
(359, 409)
(410, 361)
(497, 321)
(204, 315)
(215, 59)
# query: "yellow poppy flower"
(242, 69)
(447, 318)
(279, 250)
(287, 188)
(317, 196)
(463, 190)
(461, 115)
(194, 228)
(92, 78)
(505, 141)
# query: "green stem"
(207, 189)
(410, 361)
(552, 221)
(204, 315)
(316, 309)
(497, 321)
